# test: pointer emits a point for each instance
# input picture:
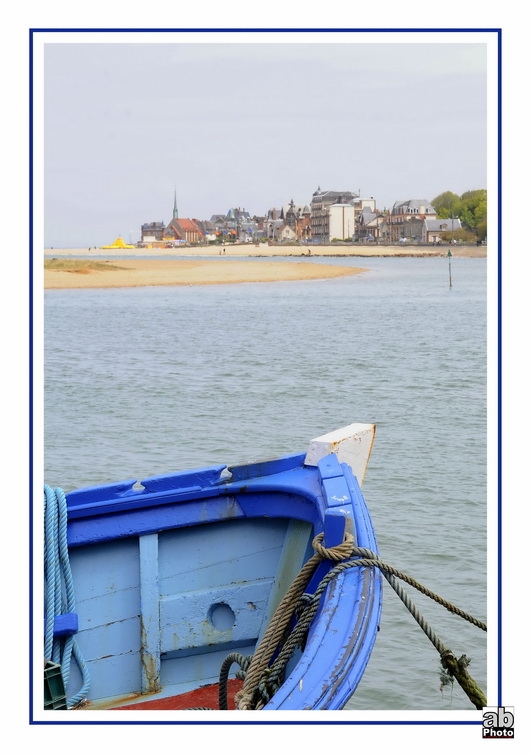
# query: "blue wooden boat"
(218, 588)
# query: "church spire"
(175, 210)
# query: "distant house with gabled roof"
(405, 221)
(413, 207)
(297, 217)
(207, 229)
(433, 229)
(370, 225)
(217, 219)
(286, 233)
(183, 230)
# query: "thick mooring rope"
(59, 597)
(454, 668)
(263, 680)
(280, 620)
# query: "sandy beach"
(108, 268)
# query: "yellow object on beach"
(119, 243)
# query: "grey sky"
(252, 126)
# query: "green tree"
(447, 205)
(475, 211)
(471, 208)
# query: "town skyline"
(214, 217)
(239, 124)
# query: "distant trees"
(471, 208)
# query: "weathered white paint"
(351, 444)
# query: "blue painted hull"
(172, 577)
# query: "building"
(321, 201)
(207, 229)
(152, 232)
(370, 226)
(433, 229)
(237, 226)
(406, 220)
(298, 218)
(182, 230)
(341, 221)
(321, 215)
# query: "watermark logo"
(497, 722)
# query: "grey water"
(143, 381)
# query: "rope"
(454, 668)
(458, 669)
(373, 559)
(282, 616)
(264, 678)
(59, 596)
(243, 661)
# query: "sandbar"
(121, 273)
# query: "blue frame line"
(30, 376)
(499, 370)
(37, 30)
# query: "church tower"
(175, 209)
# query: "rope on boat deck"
(245, 699)
(59, 598)
(262, 680)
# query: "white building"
(341, 222)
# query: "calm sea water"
(150, 380)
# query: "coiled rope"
(262, 680)
(59, 597)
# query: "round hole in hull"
(221, 616)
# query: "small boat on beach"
(227, 587)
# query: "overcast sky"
(252, 125)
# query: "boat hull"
(175, 574)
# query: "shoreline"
(131, 268)
(264, 251)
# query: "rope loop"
(234, 657)
(338, 552)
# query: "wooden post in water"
(450, 279)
